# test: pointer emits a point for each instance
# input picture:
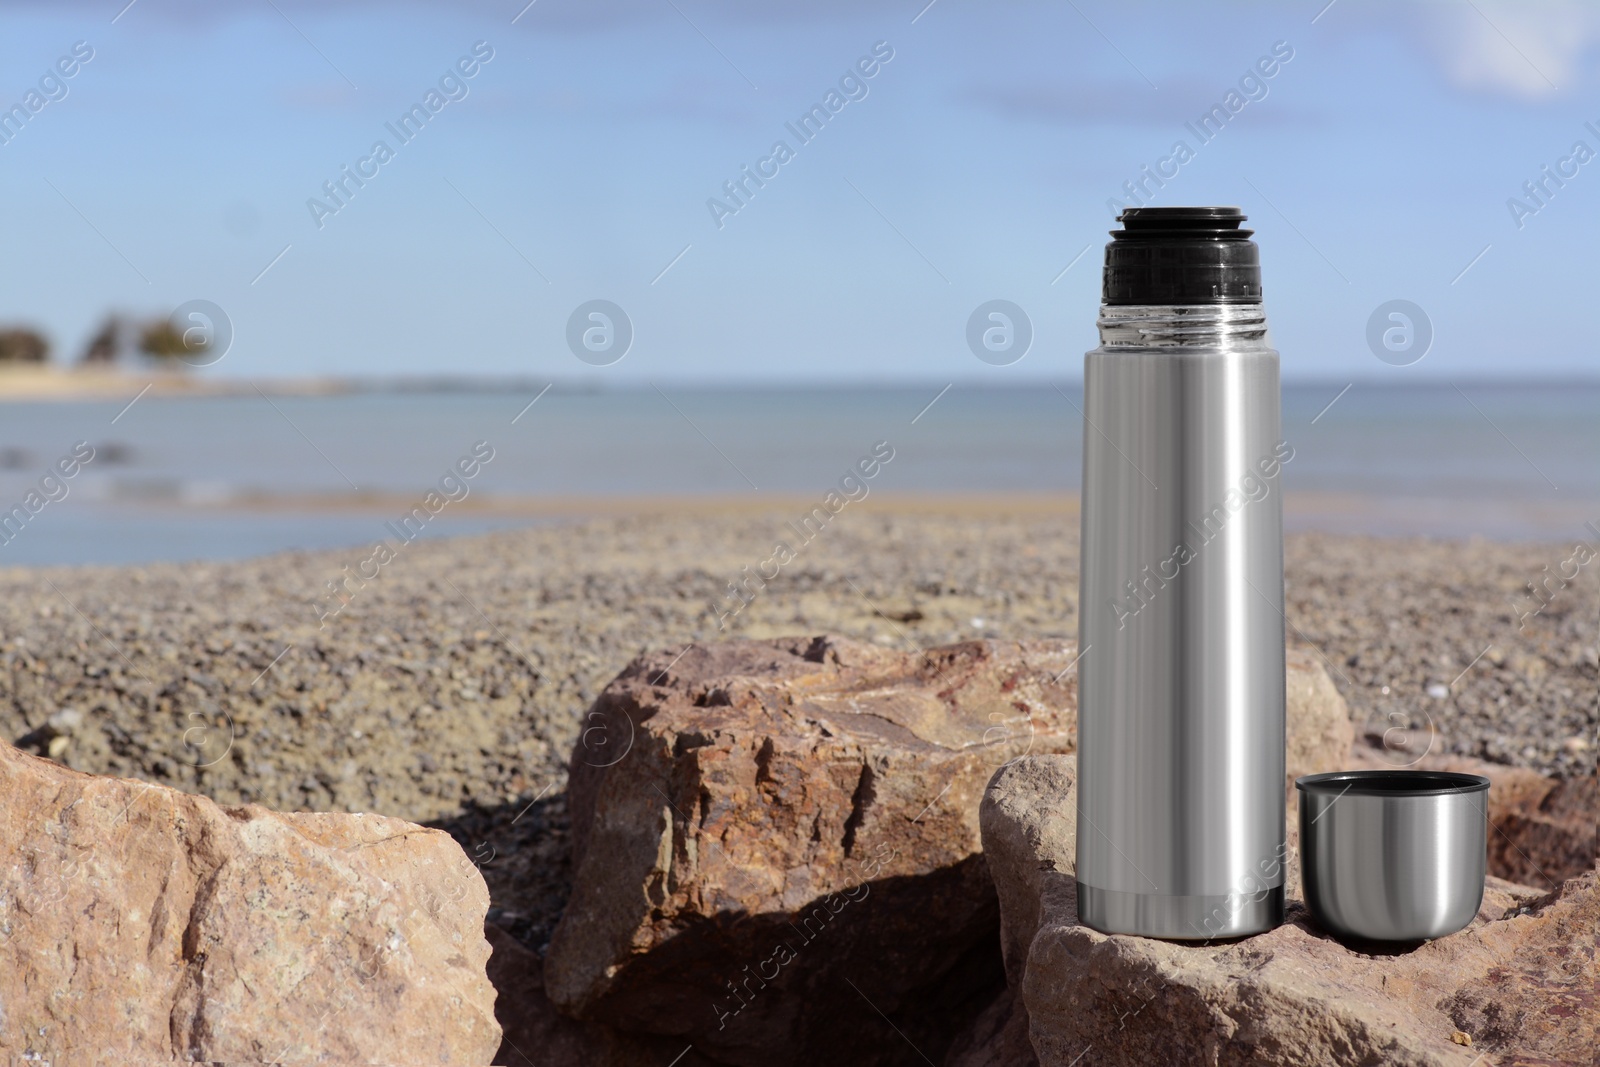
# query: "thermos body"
(1181, 778)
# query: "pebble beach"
(451, 688)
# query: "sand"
(450, 688)
(50, 383)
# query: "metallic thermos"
(1181, 628)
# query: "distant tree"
(161, 340)
(23, 346)
(106, 345)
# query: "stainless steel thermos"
(1181, 627)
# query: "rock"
(1520, 981)
(776, 844)
(1025, 798)
(1318, 731)
(1028, 811)
(1550, 840)
(1543, 831)
(532, 1031)
(997, 1038)
(1532, 993)
(733, 803)
(138, 922)
(534, 1034)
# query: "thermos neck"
(1231, 327)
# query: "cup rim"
(1392, 783)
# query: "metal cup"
(1393, 855)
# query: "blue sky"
(976, 164)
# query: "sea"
(226, 477)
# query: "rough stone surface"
(1029, 810)
(998, 1037)
(532, 1032)
(1542, 830)
(1529, 988)
(1318, 729)
(1520, 981)
(1551, 836)
(137, 922)
(535, 1034)
(785, 865)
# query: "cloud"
(1531, 50)
(1129, 101)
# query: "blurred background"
(281, 264)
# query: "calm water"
(1498, 461)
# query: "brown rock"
(534, 1034)
(1551, 840)
(137, 922)
(785, 866)
(1030, 834)
(1543, 831)
(1318, 728)
(1532, 994)
(1025, 811)
(1520, 981)
(997, 1038)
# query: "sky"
(586, 155)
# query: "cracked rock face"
(1520, 983)
(776, 844)
(138, 922)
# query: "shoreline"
(68, 382)
(1449, 519)
(47, 384)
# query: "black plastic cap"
(1182, 255)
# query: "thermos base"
(1197, 918)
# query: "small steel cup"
(1393, 855)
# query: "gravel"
(451, 687)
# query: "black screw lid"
(1182, 255)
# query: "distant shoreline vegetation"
(179, 340)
